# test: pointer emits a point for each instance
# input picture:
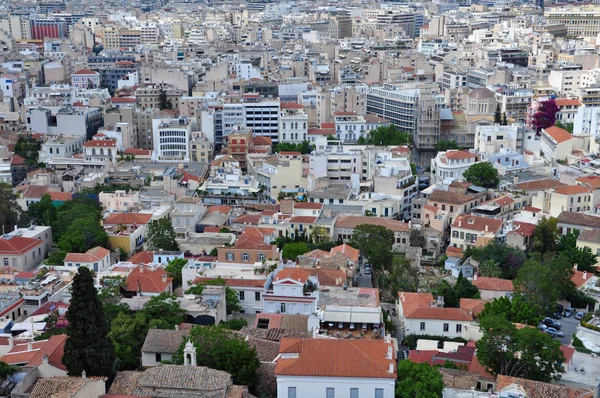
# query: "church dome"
(481, 93)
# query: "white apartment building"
(568, 82)
(172, 138)
(60, 146)
(337, 162)
(245, 70)
(293, 123)
(262, 117)
(587, 121)
(100, 149)
(491, 139)
(450, 165)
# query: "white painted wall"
(316, 386)
(149, 358)
(433, 327)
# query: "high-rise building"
(48, 27)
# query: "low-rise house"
(574, 198)
(127, 231)
(472, 231)
(97, 259)
(145, 281)
(46, 355)
(460, 198)
(569, 221)
(590, 238)
(23, 254)
(335, 367)
(419, 313)
(344, 228)
(248, 250)
(160, 345)
(187, 213)
(294, 291)
(499, 208)
(119, 200)
(61, 387)
(491, 288)
(556, 143)
(520, 235)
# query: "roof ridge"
(367, 355)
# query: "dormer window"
(471, 221)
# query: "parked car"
(554, 333)
(367, 269)
(551, 323)
(568, 312)
(579, 315)
(555, 315)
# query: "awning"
(365, 315)
(336, 316)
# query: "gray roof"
(164, 341)
(173, 380)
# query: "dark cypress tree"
(497, 115)
(87, 347)
(504, 119)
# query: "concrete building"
(555, 143)
(587, 18)
(450, 165)
(293, 123)
(85, 78)
(77, 121)
(172, 138)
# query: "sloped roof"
(419, 306)
(475, 223)
(559, 135)
(587, 220)
(143, 257)
(538, 185)
(164, 340)
(18, 245)
(538, 389)
(94, 254)
(295, 274)
(347, 250)
(352, 222)
(496, 284)
(149, 281)
(127, 219)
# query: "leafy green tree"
(545, 235)
(583, 257)
(161, 235)
(510, 259)
(163, 100)
(388, 135)
(110, 298)
(57, 257)
(87, 347)
(401, 277)
(174, 270)
(446, 290)
(303, 147)
(78, 207)
(28, 148)
(82, 235)
(7, 370)
(234, 324)
(125, 334)
(464, 288)
(565, 126)
(444, 145)
(375, 242)
(525, 353)
(543, 281)
(482, 174)
(504, 119)
(163, 311)
(490, 268)
(498, 115)
(418, 380)
(416, 238)
(516, 310)
(9, 208)
(214, 252)
(218, 348)
(43, 212)
(291, 251)
(224, 230)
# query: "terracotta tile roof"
(308, 205)
(580, 277)
(336, 358)
(295, 274)
(330, 131)
(567, 352)
(371, 118)
(48, 307)
(94, 254)
(593, 181)
(475, 223)
(33, 191)
(589, 235)
(274, 320)
(291, 105)
(532, 209)
(523, 228)
(94, 143)
(559, 135)
(431, 208)
(53, 348)
(573, 190)
(419, 306)
(262, 141)
(502, 200)
(18, 245)
(538, 185)
(538, 389)
(123, 100)
(303, 220)
(17, 160)
(148, 281)
(252, 243)
(231, 282)
(257, 232)
(452, 251)
(142, 257)
(566, 102)
(60, 196)
(569, 217)
(329, 277)
(461, 355)
(422, 356)
(328, 125)
(211, 229)
(58, 387)
(475, 305)
(137, 151)
(247, 219)
(85, 72)
(496, 284)
(347, 250)
(127, 219)
(477, 367)
(11, 307)
(317, 253)
(352, 222)
(460, 155)
(450, 197)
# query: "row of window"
(446, 327)
(245, 257)
(242, 296)
(330, 392)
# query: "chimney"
(30, 346)
(11, 342)
(389, 352)
(45, 359)
(141, 268)
(83, 374)
(391, 369)
(459, 223)
(474, 277)
(486, 228)
(575, 266)
(164, 277)
(584, 274)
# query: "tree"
(78, 207)
(224, 230)
(375, 242)
(163, 100)
(7, 370)
(232, 301)
(234, 324)
(545, 235)
(218, 348)
(565, 126)
(509, 258)
(444, 145)
(319, 235)
(418, 380)
(516, 310)
(9, 208)
(446, 290)
(110, 298)
(546, 115)
(174, 270)
(490, 269)
(87, 347)
(28, 148)
(82, 235)
(464, 288)
(416, 238)
(402, 277)
(57, 257)
(504, 119)
(498, 115)
(125, 334)
(387, 135)
(161, 235)
(582, 256)
(291, 251)
(163, 311)
(482, 174)
(43, 212)
(525, 353)
(303, 147)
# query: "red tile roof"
(291, 105)
(247, 219)
(352, 222)
(17, 160)
(303, 220)
(538, 185)
(18, 245)
(419, 306)
(234, 282)
(523, 228)
(127, 219)
(538, 389)
(308, 205)
(452, 251)
(532, 209)
(348, 251)
(252, 243)
(580, 277)
(573, 190)
(460, 155)
(94, 254)
(593, 181)
(222, 209)
(329, 277)
(53, 348)
(262, 141)
(559, 135)
(95, 143)
(474, 305)
(475, 223)
(142, 257)
(85, 72)
(422, 356)
(296, 274)
(496, 284)
(566, 102)
(336, 358)
(137, 151)
(149, 281)
(60, 196)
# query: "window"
(229, 256)
(354, 393)
(282, 308)
(458, 328)
(242, 296)
(245, 257)
(6, 262)
(446, 327)
(330, 392)
(379, 393)
(422, 325)
(261, 257)
(158, 357)
(291, 392)
(256, 296)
